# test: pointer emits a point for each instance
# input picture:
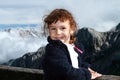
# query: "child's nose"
(58, 31)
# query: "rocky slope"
(102, 49)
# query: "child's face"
(60, 31)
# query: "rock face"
(29, 60)
(102, 51)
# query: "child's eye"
(63, 28)
(53, 28)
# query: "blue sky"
(98, 14)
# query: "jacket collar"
(58, 42)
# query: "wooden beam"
(19, 73)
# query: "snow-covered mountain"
(17, 41)
(24, 33)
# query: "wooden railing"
(19, 73)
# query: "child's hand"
(94, 74)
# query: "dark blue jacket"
(57, 63)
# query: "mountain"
(19, 40)
(25, 32)
(102, 49)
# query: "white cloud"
(13, 46)
(87, 12)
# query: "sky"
(101, 15)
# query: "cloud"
(24, 15)
(14, 46)
(90, 13)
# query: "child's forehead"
(61, 22)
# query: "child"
(62, 60)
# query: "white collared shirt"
(73, 55)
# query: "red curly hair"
(61, 15)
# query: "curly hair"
(61, 15)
